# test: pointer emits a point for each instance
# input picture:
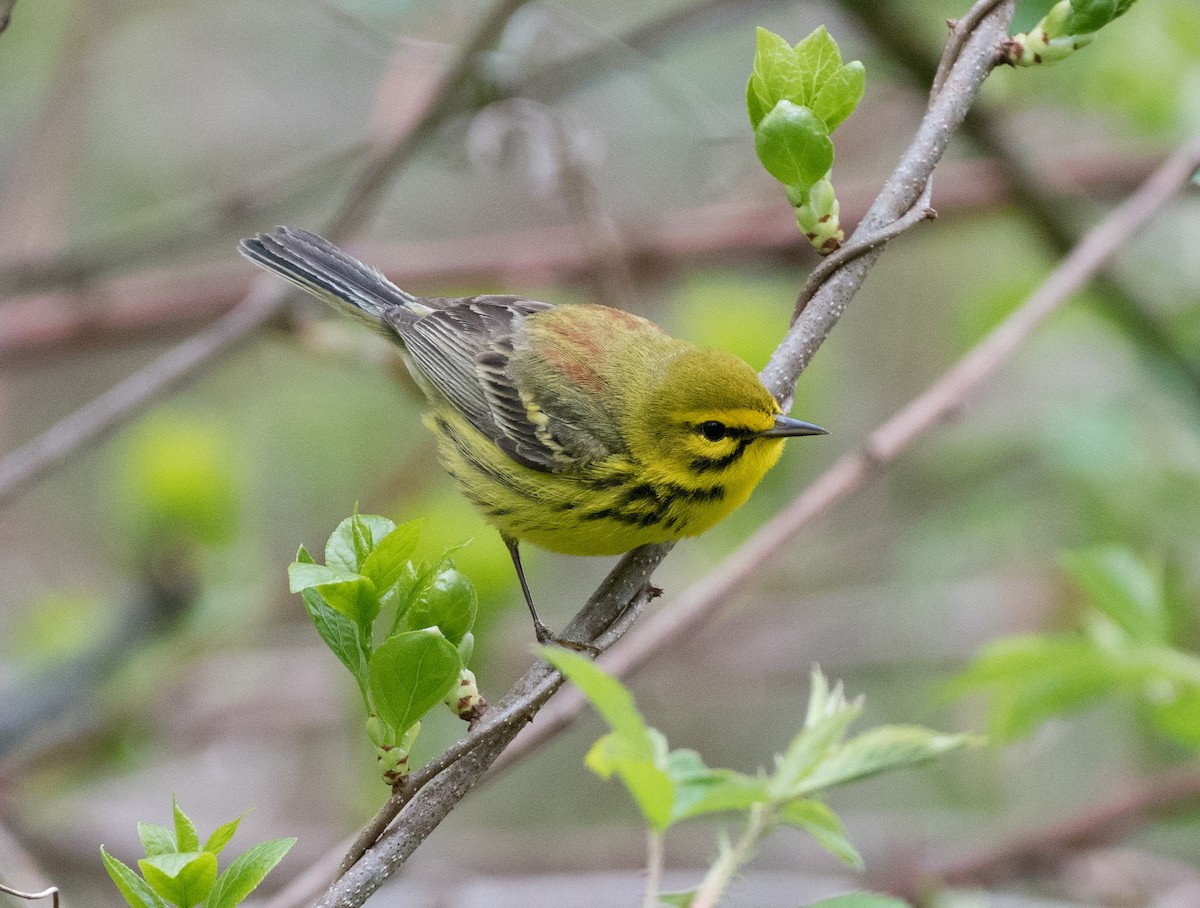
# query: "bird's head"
(709, 421)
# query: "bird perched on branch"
(578, 428)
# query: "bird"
(579, 428)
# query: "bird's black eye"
(712, 430)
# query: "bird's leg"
(544, 634)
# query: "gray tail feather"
(314, 264)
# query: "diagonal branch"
(704, 601)
(974, 57)
(262, 304)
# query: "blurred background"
(598, 151)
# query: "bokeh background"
(148, 644)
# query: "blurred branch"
(974, 57)
(1043, 850)
(702, 602)
(1031, 188)
(167, 591)
(162, 302)
(6, 8)
(178, 232)
(51, 893)
(264, 302)
(105, 413)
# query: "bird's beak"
(785, 427)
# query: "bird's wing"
(464, 347)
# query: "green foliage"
(796, 97)
(1126, 647)
(178, 871)
(860, 900)
(670, 786)
(428, 609)
(175, 481)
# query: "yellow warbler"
(579, 428)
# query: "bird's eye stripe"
(710, 464)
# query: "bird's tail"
(314, 264)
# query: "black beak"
(786, 427)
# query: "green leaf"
(447, 601)
(608, 696)
(246, 872)
(1179, 718)
(823, 825)
(221, 836)
(1089, 16)
(776, 76)
(186, 837)
(641, 773)
(355, 599)
(860, 900)
(817, 57)
(344, 551)
(410, 674)
(340, 634)
(133, 888)
(156, 839)
(184, 878)
(877, 750)
(303, 575)
(678, 899)
(825, 724)
(1124, 589)
(837, 97)
(1033, 678)
(793, 145)
(303, 557)
(389, 559)
(700, 790)
(635, 752)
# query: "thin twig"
(6, 8)
(52, 892)
(857, 246)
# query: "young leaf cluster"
(426, 612)
(670, 786)
(1070, 25)
(796, 97)
(1126, 647)
(178, 870)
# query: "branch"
(900, 194)
(1033, 190)
(705, 600)
(1044, 850)
(432, 804)
(264, 302)
(6, 8)
(162, 302)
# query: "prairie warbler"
(578, 428)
